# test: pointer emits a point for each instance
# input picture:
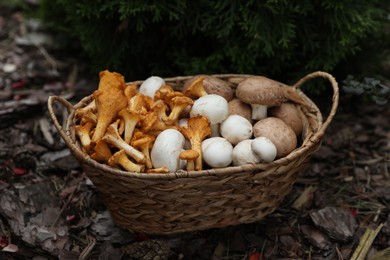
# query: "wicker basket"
(186, 201)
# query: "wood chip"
(337, 223)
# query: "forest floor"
(338, 209)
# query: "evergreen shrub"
(277, 38)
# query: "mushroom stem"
(112, 137)
(83, 132)
(144, 142)
(120, 158)
(131, 119)
(101, 152)
(190, 156)
(215, 130)
(259, 111)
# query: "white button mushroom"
(264, 149)
(236, 128)
(243, 154)
(166, 150)
(212, 106)
(217, 152)
(151, 85)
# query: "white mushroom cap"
(243, 154)
(236, 128)
(264, 149)
(166, 150)
(151, 85)
(217, 152)
(212, 106)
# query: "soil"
(338, 209)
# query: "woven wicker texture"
(212, 198)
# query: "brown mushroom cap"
(237, 107)
(290, 114)
(261, 90)
(278, 132)
(213, 85)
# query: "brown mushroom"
(237, 107)
(211, 85)
(261, 93)
(290, 114)
(278, 132)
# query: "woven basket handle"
(64, 133)
(335, 99)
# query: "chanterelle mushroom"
(278, 132)
(144, 142)
(112, 137)
(197, 129)
(120, 158)
(189, 156)
(110, 99)
(130, 119)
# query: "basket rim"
(312, 139)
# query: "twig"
(365, 243)
(339, 254)
(370, 161)
(64, 206)
(88, 249)
(47, 56)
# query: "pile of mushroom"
(210, 123)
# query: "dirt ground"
(338, 209)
